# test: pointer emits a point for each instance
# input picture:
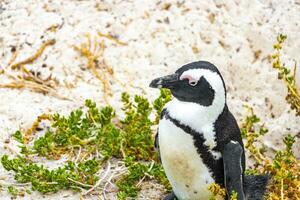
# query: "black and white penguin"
(198, 139)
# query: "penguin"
(198, 139)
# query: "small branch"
(35, 56)
(100, 180)
(78, 155)
(79, 183)
(13, 58)
(110, 37)
(281, 190)
(14, 184)
(294, 73)
(293, 97)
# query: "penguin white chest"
(188, 175)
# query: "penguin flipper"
(255, 186)
(156, 145)
(233, 171)
(170, 196)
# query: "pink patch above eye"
(189, 78)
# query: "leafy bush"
(85, 134)
(284, 168)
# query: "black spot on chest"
(214, 165)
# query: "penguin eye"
(193, 83)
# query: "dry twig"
(79, 183)
(110, 37)
(31, 59)
(32, 129)
(100, 180)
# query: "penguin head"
(198, 82)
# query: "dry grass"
(23, 78)
(93, 49)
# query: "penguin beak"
(164, 82)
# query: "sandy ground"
(161, 36)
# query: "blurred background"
(135, 41)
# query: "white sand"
(159, 41)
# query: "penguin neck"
(195, 115)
